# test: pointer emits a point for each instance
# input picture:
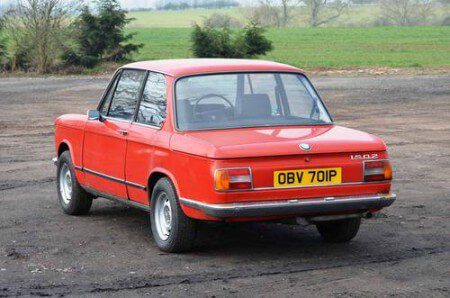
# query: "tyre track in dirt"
(165, 281)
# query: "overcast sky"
(128, 4)
(125, 3)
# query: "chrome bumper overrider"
(296, 207)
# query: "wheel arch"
(157, 174)
(63, 146)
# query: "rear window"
(220, 101)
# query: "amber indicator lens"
(233, 179)
(377, 170)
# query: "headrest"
(256, 106)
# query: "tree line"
(48, 35)
(280, 13)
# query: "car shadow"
(256, 239)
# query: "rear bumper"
(297, 207)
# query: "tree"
(324, 11)
(217, 20)
(88, 45)
(100, 37)
(406, 12)
(211, 42)
(281, 12)
(38, 29)
(278, 12)
(2, 44)
(112, 20)
(252, 42)
(219, 43)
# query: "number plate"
(308, 177)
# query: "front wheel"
(339, 230)
(172, 230)
(73, 198)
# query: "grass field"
(328, 48)
(356, 15)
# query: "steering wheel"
(211, 95)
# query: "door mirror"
(94, 115)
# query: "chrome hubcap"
(163, 216)
(65, 183)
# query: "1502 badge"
(364, 156)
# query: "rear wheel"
(73, 198)
(339, 230)
(172, 230)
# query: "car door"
(105, 141)
(146, 139)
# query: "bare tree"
(281, 12)
(406, 12)
(39, 27)
(277, 13)
(324, 11)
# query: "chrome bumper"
(296, 207)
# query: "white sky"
(127, 4)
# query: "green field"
(356, 15)
(349, 47)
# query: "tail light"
(377, 170)
(233, 179)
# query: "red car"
(220, 140)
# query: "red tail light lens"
(233, 179)
(377, 170)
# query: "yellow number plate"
(308, 177)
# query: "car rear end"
(302, 185)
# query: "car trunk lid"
(275, 141)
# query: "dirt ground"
(405, 251)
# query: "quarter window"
(152, 110)
(126, 94)
(107, 102)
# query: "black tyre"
(339, 230)
(172, 230)
(73, 198)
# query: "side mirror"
(94, 115)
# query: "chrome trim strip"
(310, 207)
(116, 198)
(118, 180)
(147, 125)
(135, 185)
(116, 119)
(103, 175)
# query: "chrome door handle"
(122, 132)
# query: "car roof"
(185, 67)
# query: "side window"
(106, 103)
(152, 110)
(126, 95)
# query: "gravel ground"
(405, 251)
